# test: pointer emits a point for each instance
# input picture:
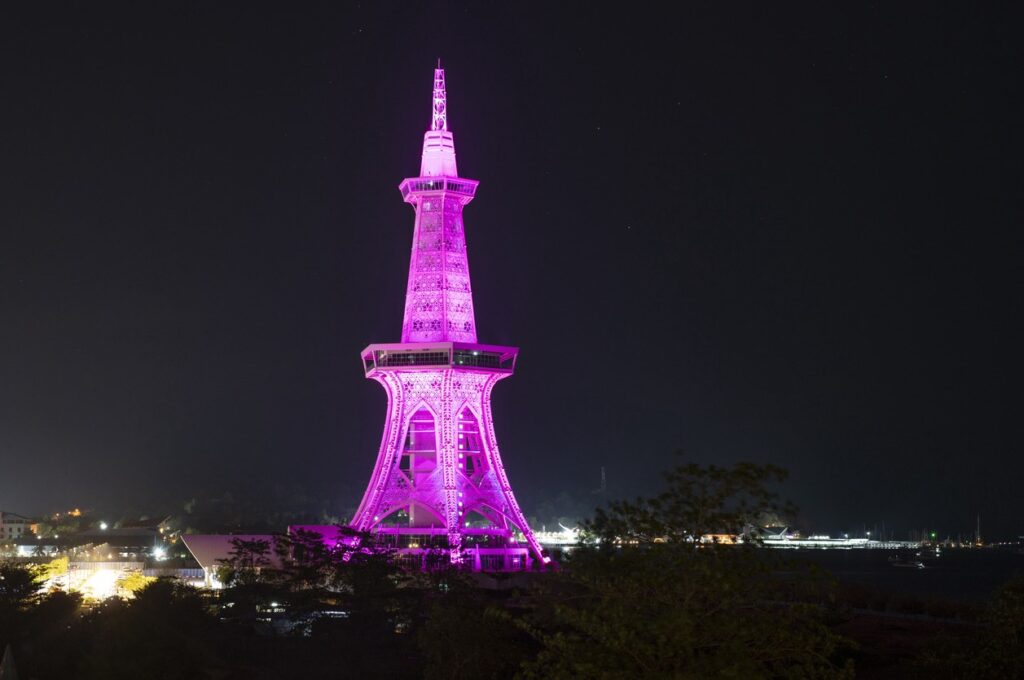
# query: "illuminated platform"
(439, 355)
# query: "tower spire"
(440, 115)
(438, 142)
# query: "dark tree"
(165, 633)
(651, 601)
(995, 652)
(19, 586)
(251, 581)
(19, 589)
(470, 632)
(698, 501)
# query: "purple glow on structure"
(439, 120)
(439, 482)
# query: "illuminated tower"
(439, 482)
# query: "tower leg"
(438, 465)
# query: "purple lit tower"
(439, 482)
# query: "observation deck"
(435, 355)
(414, 187)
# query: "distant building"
(130, 543)
(13, 527)
(210, 551)
(154, 523)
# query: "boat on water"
(917, 559)
(906, 562)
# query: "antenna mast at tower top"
(439, 119)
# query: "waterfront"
(967, 575)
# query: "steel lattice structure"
(439, 482)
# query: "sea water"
(969, 575)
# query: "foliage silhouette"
(648, 599)
(697, 502)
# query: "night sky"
(784, 234)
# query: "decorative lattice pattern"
(439, 116)
(444, 403)
(472, 460)
(439, 299)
